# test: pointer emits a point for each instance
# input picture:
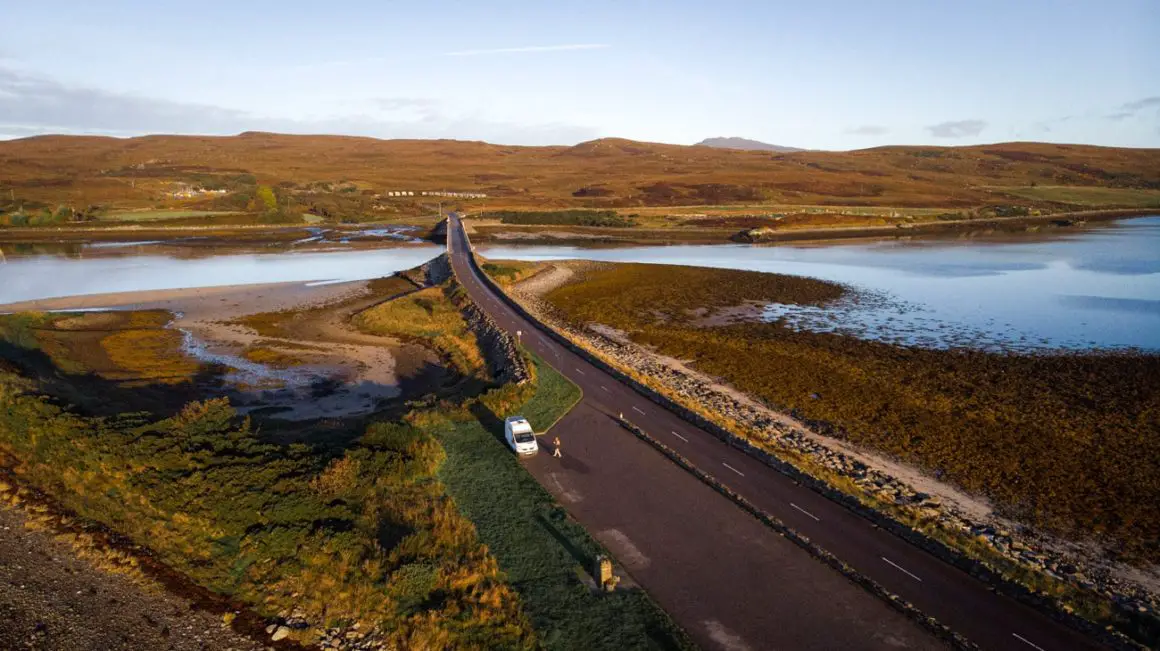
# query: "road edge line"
(909, 610)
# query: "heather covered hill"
(605, 173)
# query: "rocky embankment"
(499, 348)
(947, 519)
(53, 600)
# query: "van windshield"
(524, 437)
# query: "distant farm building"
(434, 193)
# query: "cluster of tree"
(47, 217)
(274, 205)
(604, 218)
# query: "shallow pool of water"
(1092, 287)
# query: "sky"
(824, 74)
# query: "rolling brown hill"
(609, 172)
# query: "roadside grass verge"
(542, 553)
(554, 398)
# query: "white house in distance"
(434, 193)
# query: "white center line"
(681, 437)
(902, 569)
(732, 468)
(816, 518)
(638, 410)
(1027, 642)
(580, 372)
(604, 387)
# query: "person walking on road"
(556, 448)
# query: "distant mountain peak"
(744, 143)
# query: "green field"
(161, 215)
(1088, 197)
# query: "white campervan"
(518, 432)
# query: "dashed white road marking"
(725, 638)
(623, 549)
(1027, 642)
(816, 518)
(732, 468)
(902, 569)
(580, 372)
(567, 495)
(681, 437)
(604, 387)
(638, 410)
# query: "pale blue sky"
(823, 74)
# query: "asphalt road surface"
(730, 581)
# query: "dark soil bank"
(52, 601)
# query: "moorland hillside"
(605, 173)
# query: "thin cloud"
(867, 130)
(957, 128)
(529, 48)
(1132, 109)
(32, 105)
(1141, 104)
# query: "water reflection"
(1094, 287)
(31, 278)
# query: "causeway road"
(730, 581)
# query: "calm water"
(1096, 287)
(30, 277)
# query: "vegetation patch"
(1069, 442)
(121, 346)
(1089, 196)
(604, 218)
(272, 356)
(363, 535)
(428, 315)
(159, 215)
(509, 272)
(632, 293)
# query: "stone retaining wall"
(499, 348)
